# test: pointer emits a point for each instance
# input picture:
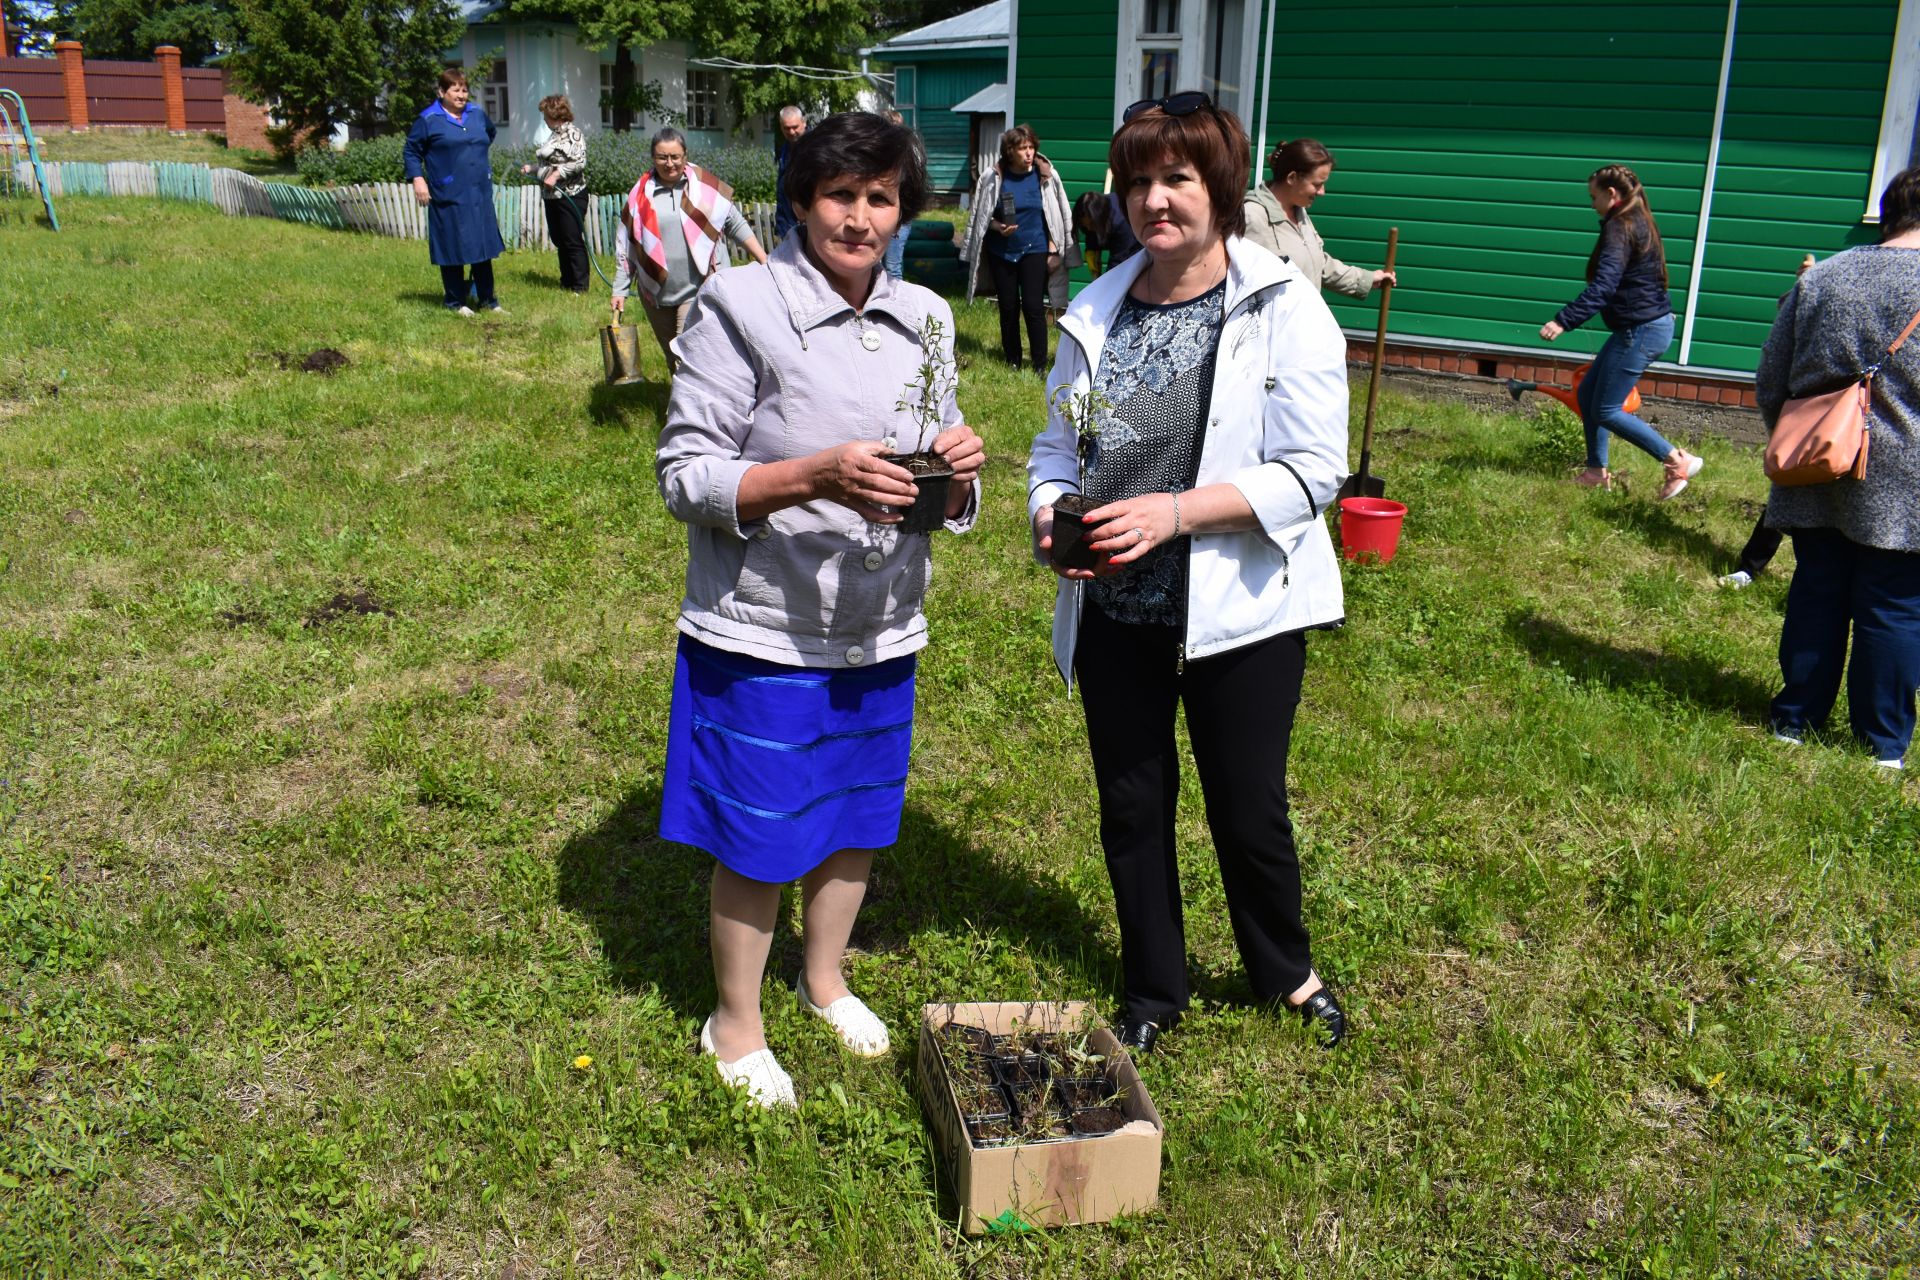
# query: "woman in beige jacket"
(1277, 219)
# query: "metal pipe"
(1706, 188)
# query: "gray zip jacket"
(1299, 243)
(776, 365)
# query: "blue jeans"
(897, 252)
(1615, 370)
(1839, 584)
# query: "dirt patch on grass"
(359, 603)
(325, 361)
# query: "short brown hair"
(1900, 204)
(1014, 137)
(452, 76)
(1302, 155)
(556, 107)
(1210, 139)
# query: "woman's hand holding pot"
(1124, 531)
(855, 476)
(966, 453)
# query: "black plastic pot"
(1020, 1070)
(933, 477)
(1095, 1121)
(1070, 548)
(1084, 1093)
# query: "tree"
(33, 26)
(329, 62)
(824, 34)
(131, 29)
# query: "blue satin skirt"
(772, 768)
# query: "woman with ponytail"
(1627, 287)
(1277, 219)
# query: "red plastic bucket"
(1370, 526)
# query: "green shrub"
(369, 160)
(615, 162)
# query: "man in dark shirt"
(792, 123)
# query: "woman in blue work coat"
(447, 164)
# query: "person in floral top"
(562, 170)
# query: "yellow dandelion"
(583, 1063)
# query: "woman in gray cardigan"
(1856, 544)
(793, 688)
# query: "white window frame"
(1897, 118)
(706, 99)
(606, 95)
(495, 93)
(908, 103)
(1188, 45)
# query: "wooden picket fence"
(378, 208)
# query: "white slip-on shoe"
(1738, 579)
(1894, 763)
(858, 1027)
(759, 1073)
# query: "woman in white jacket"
(1219, 440)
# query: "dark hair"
(556, 107)
(670, 135)
(1302, 155)
(1014, 137)
(1900, 204)
(452, 76)
(864, 145)
(1093, 216)
(1210, 139)
(1634, 215)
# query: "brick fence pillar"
(73, 74)
(175, 92)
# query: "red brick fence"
(72, 92)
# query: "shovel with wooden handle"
(1363, 483)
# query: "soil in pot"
(980, 1102)
(932, 476)
(1097, 1120)
(1029, 1100)
(990, 1133)
(1082, 1094)
(1070, 547)
(1021, 1070)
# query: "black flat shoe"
(1324, 1017)
(1138, 1038)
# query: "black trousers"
(1240, 707)
(453, 283)
(1021, 288)
(569, 236)
(1760, 549)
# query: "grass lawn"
(103, 145)
(331, 725)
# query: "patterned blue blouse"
(1156, 370)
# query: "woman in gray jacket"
(1277, 219)
(1856, 544)
(793, 687)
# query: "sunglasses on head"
(1179, 104)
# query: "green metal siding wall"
(1064, 84)
(940, 84)
(1796, 156)
(1473, 128)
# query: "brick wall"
(1549, 371)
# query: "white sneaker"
(859, 1029)
(759, 1073)
(462, 310)
(1895, 763)
(1738, 579)
(1789, 737)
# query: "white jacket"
(1276, 430)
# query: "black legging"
(453, 281)
(569, 238)
(1021, 287)
(1240, 707)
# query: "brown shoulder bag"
(1824, 437)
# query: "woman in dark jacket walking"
(447, 164)
(1856, 543)
(1627, 287)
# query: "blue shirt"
(1030, 223)
(452, 156)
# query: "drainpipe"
(1013, 56)
(1266, 91)
(1706, 188)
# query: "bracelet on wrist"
(1176, 515)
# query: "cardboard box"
(1040, 1184)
